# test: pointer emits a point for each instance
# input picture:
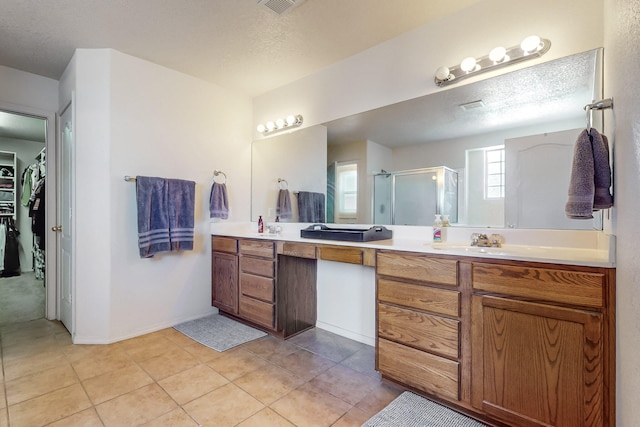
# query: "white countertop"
(586, 248)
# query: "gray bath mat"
(411, 410)
(218, 332)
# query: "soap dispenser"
(260, 225)
(437, 229)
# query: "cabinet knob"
(56, 228)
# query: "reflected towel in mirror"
(283, 208)
(311, 207)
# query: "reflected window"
(494, 177)
(347, 190)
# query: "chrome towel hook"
(286, 184)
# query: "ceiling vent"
(472, 105)
(280, 7)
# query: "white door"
(538, 169)
(65, 228)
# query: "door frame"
(51, 311)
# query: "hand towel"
(181, 203)
(602, 179)
(581, 184)
(311, 207)
(153, 216)
(283, 209)
(218, 202)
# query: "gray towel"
(311, 206)
(590, 176)
(602, 198)
(283, 209)
(218, 202)
(153, 216)
(181, 202)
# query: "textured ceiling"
(237, 44)
(552, 91)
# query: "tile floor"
(166, 379)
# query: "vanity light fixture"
(280, 124)
(530, 48)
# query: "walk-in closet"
(23, 171)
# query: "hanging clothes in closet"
(33, 191)
(9, 252)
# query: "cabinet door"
(535, 364)
(224, 281)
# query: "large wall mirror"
(497, 152)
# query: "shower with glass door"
(414, 197)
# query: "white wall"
(136, 118)
(451, 153)
(26, 89)
(622, 50)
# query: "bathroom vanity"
(509, 339)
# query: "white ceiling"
(237, 44)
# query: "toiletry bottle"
(277, 219)
(260, 225)
(437, 229)
(445, 225)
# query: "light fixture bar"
(530, 48)
(280, 124)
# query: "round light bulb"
(530, 44)
(443, 73)
(291, 119)
(261, 128)
(498, 54)
(468, 64)
(280, 123)
(271, 126)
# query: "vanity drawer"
(257, 287)
(299, 250)
(424, 371)
(423, 331)
(261, 267)
(584, 288)
(421, 297)
(258, 248)
(224, 244)
(262, 313)
(421, 267)
(362, 256)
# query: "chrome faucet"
(481, 240)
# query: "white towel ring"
(286, 184)
(219, 172)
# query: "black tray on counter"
(321, 231)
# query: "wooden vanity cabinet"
(257, 291)
(543, 344)
(418, 322)
(224, 274)
(269, 285)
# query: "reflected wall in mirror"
(298, 158)
(459, 126)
